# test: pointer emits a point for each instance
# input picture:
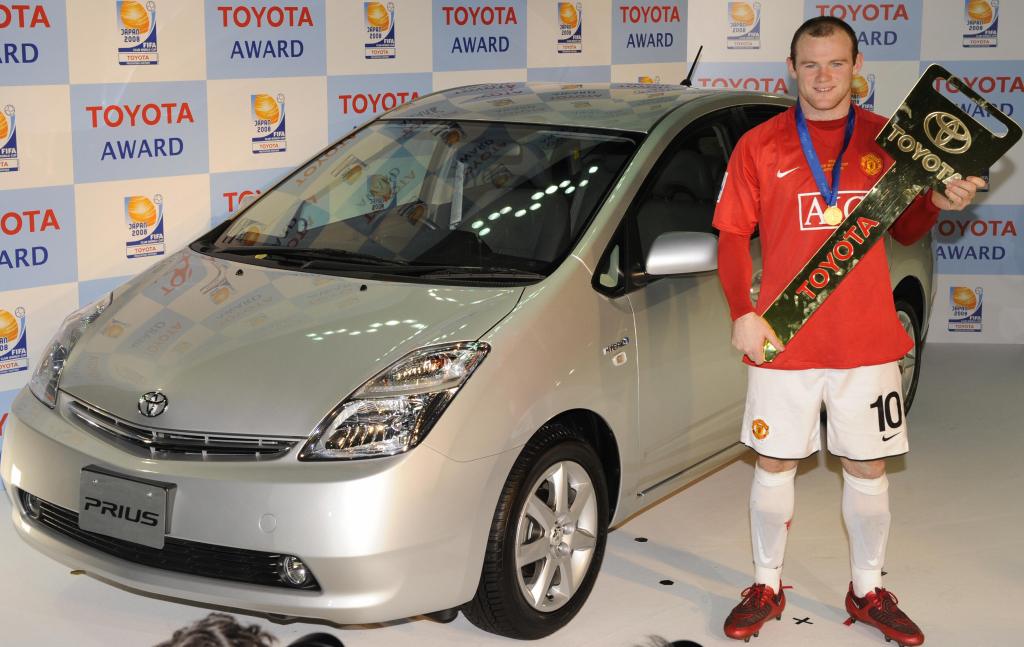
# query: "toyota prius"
(425, 373)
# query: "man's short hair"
(820, 27)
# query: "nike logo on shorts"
(886, 438)
(782, 174)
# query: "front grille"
(168, 444)
(179, 555)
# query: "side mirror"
(682, 252)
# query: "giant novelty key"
(931, 141)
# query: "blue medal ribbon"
(831, 196)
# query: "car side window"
(681, 192)
(755, 115)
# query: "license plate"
(122, 508)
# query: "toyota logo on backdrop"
(152, 404)
(944, 129)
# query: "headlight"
(47, 374)
(393, 411)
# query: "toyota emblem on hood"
(152, 404)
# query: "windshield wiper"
(312, 254)
(480, 272)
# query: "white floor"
(955, 557)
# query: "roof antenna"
(689, 76)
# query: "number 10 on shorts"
(890, 412)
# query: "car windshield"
(414, 195)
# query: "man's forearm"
(735, 271)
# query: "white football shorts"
(866, 420)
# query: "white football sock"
(866, 513)
(771, 509)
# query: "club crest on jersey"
(871, 164)
(759, 428)
(811, 208)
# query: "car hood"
(239, 348)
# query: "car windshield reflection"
(466, 195)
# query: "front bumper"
(385, 538)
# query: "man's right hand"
(749, 333)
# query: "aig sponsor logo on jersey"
(379, 20)
(570, 28)
(744, 25)
(885, 30)
(13, 342)
(965, 309)
(136, 33)
(8, 140)
(812, 208)
(862, 90)
(981, 23)
(268, 126)
(145, 220)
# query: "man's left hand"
(958, 194)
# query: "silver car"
(425, 373)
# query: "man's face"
(824, 69)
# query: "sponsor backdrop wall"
(128, 127)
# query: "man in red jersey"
(782, 179)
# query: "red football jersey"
(769, 186)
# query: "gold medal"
(833, 216)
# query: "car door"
(691, 381)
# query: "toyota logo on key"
(947, 132)
(152, 404)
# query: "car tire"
(910, 364)
(527, 589)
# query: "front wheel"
(910, 364)
(547, 539)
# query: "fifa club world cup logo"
(268, 127)
(965, 309)
(8, 141)
(570, 28)
(862, 91)
(744, 25)
(136, 33)
(981, 23)
(13, 344)
(145, 220)
(379, 20)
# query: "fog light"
(31, 504)
(293, 571)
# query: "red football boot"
(759, 605)
(878, 609)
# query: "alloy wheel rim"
(556, 534)
(908, 364)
